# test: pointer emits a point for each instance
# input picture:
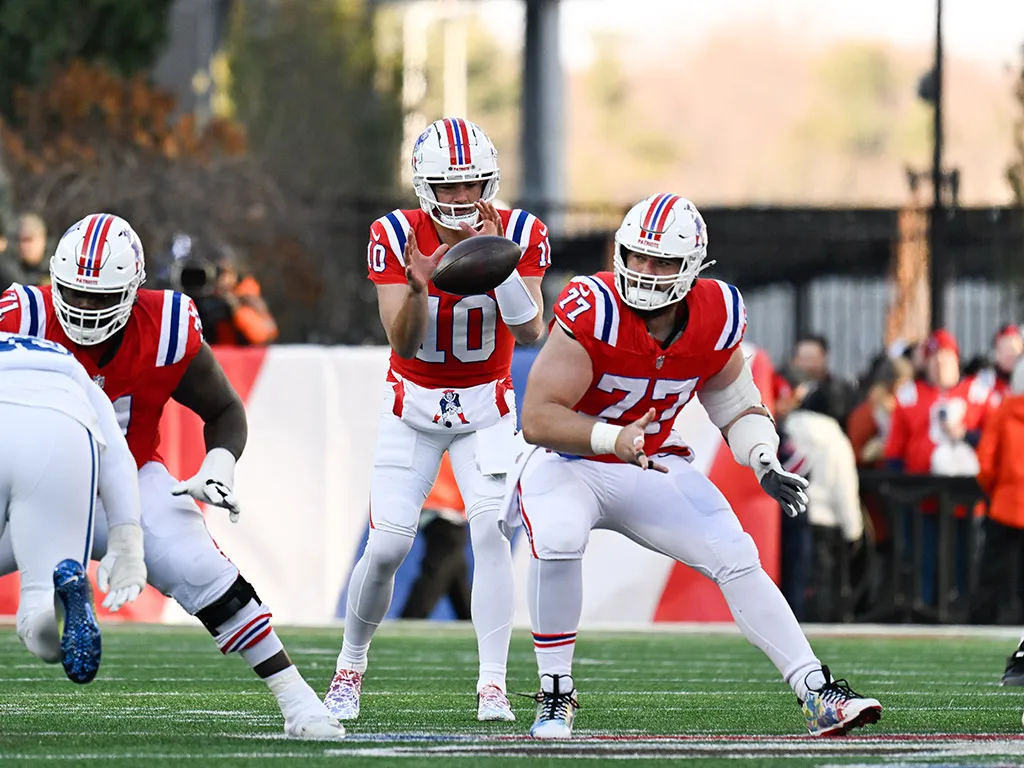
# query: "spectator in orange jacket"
(445, 569)
(1001, 476)
(248, 321)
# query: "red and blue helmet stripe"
(656, 218)
(90, 258)
(458, 141)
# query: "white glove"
(785, 487)
(212, 483)
(122, 571)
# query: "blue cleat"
(80, 634)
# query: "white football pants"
(49, 465)
(406, 463)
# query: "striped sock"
(250, 634)
(554, 653)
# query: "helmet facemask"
(642, 290)
(449, 215)
(94, 326)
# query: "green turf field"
(165, 696)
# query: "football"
(476, 265)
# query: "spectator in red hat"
(928, 435)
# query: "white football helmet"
(449, 151)
(667, 227)
(102, 255)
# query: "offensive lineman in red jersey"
(142, 348)
(627, 351)
(448, 388)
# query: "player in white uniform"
(63, 448)
(448, 388)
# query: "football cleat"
(342, 699)
(835, 710)
(1014, 674)
(492, 704)
(79, 633)
(315, 727)
(556, 708)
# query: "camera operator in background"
(230, 306)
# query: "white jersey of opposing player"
(42, 374)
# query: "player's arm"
(521, 297)
(403, 313)
(403, 308)
(559, 377)
(733, 403)
(206, 391)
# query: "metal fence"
(850, 313)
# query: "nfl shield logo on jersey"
(450, 409)
(100, 380)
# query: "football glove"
(785, 487)
(122, 571)
(212, 483)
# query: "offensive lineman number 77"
(634, 388)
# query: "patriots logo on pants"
(450, 407)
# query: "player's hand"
(419, 268)
(785, 487)
(122, 571)
(490, 221)
(212, 483)
(629, 446)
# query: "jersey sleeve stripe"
(731, 327)
(184, 320)
(606, 324)
(171, 339)
(396, 226)
(523, 227)
(514, 224)
(33, 313)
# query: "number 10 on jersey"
(474, 326)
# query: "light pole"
(937, 270)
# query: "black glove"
(785, 487)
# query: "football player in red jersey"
(144, 347)
(627, 351)
(448, 389)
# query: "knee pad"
(735, 556)
(386, 551)
(37, 630)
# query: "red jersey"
(160, 339)
(916, 429)
(466, 342)
(632, 372)
(987, 389)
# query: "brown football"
(476, 265)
